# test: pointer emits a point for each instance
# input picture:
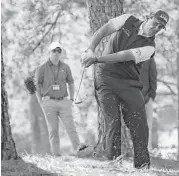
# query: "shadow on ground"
(167, 164)
(20, 167)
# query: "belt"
(52, 98)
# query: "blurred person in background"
(117, 79)
(148, 77)
(52, 79)
(39, 138)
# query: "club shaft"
(80, 84)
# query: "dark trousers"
(131, 102)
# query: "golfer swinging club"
(117, 80)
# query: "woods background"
(28, 27)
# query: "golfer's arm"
(121, 56)
(137, 54)
(104, 31)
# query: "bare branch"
(164, 93)
(168, 86)
(50, 28)
(166, 82)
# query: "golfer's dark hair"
(150, 15)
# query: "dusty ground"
(73, 166)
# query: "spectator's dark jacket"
(149, 79)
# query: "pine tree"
(8, 148)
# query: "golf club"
(79, 102)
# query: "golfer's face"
(154, 26)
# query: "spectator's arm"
(152, 79)
(71, 88)
(70, 82)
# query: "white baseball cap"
(54, 45)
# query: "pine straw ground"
(33, 165)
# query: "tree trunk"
(100, 11)
(8, 149)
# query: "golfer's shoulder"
(121, 18)
(119, 21)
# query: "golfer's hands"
(88, 58)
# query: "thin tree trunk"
(177, 34)
(178, 102)
(8, 149)
(100, 11)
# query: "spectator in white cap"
(52, 78)
(54, 45)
